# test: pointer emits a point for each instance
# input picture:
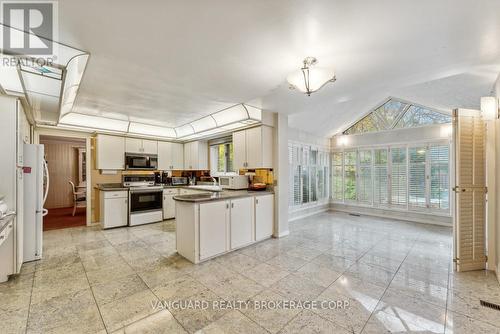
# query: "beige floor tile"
(297, 288)
(309, 323)
(70, 313)
(238, 262)
(15, 294)
(265, 311)
(459, 324)
(384, 323)
(287, 262)
(122, 312)
(117, 289)
(318, 274)
(178, 289)
(235, 287)
(265, 274)
(13, 320)
(232, 322)
(158, 323)
(335, 263)
(109, 273)
(355, 288)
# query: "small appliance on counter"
(179, 181)
(233, 182)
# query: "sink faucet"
(214, 180)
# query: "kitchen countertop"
(110, 187)
(220, 196)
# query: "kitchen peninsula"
(212, 224)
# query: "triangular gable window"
(396, 114)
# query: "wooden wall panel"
(62, 160)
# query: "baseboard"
(305, 215)
(282, 234)
(395, 217)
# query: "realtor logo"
(32, 27)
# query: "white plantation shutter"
(380, 179)
(297, 171)
(439, 177)
(469, 134)
(337, 176)
(350, 159)
(398, 176)
(365, 176)
(305, 175)
(417, 177)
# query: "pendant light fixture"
(310, 78)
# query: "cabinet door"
(193, 155)
(177, 156)
(110, 152)
(213, 228)
(241, 222)
(133, 145)
(202, 155)
(168, 206)
(264, 216)
(187, 156)
(239, 147)
(254, 147)
(149, 146)
(164, 155)
(115, 212)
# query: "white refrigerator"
(35, 177)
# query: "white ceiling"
(174, 61)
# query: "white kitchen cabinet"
(169, 203)
(253, 148)
(110, 152)
(170, 156)
(213, 221)
(114, 208)
(264, 217)
(141, 146)
(196, 155)
(241, 222)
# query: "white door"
(241, 222)
(239, 148)
(213, 228)
(133, 145)
(470, 190)
(177, 156)
(254, 147)
(164, 155)
(264, 216)
(168, 206)
(149, 146)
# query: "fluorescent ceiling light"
(95, 122)
(254, 113)
(489, 107)
(152, 130)
(203, 124)
(184, 130)
(230, 115)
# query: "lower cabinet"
(169, 203)
(264, 217)
(114, 208)
(241, 222)
(213, 225)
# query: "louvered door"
(469, 219)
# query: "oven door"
(145, 200)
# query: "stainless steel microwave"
(141, 161)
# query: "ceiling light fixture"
(310, 78)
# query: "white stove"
(145, 199)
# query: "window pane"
(389, 112)
(380, 183)
(398, 176)
(418, 116)
(365, 177)
(350, 175)
(367, 124)
(439, 192)
(417, 176)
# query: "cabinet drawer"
(115, 194)
(170, 191)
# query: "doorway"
(67, 195)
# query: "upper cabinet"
(110, 152)
(196, 155)
(141, 146)
(170, 156)
(253, 148)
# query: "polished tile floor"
(395, 277)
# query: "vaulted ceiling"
(170, 62)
